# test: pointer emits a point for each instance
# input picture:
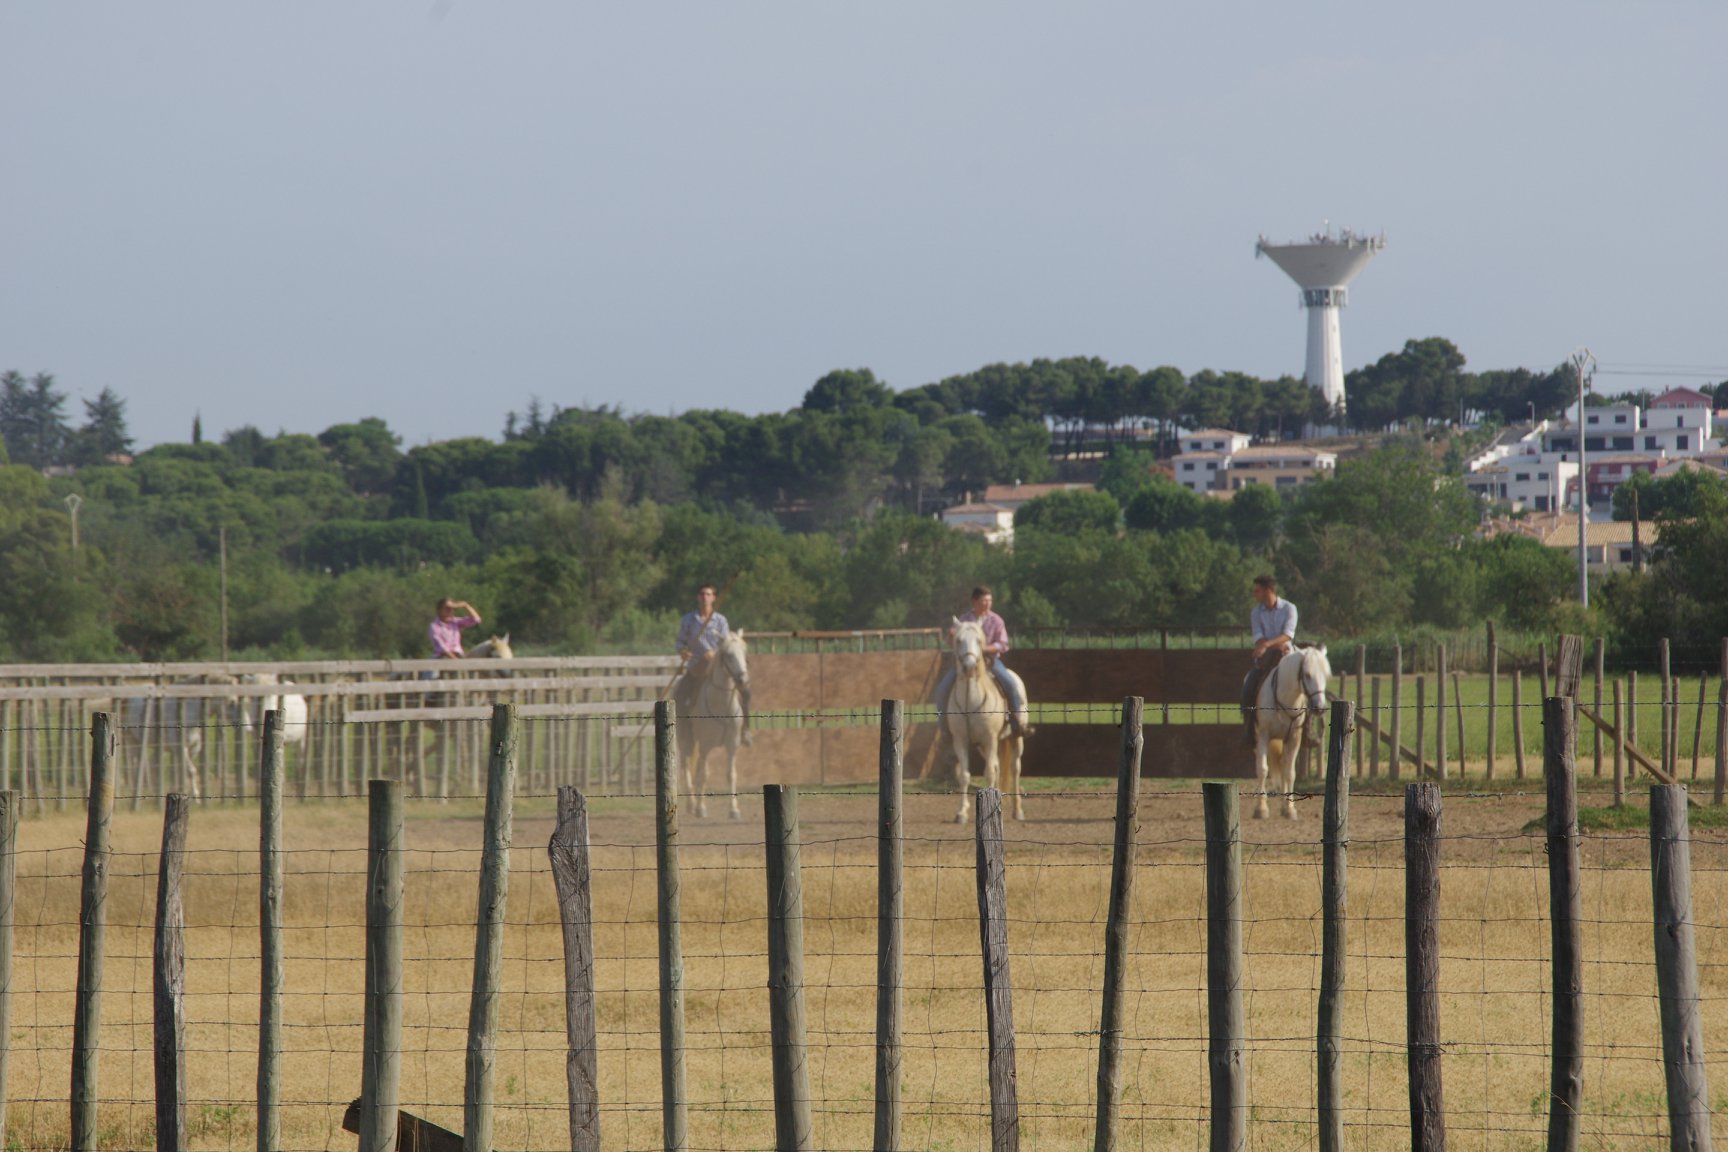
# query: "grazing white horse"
(716, 721)
(1292, 694)
(978, 715)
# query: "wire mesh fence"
(1496, 990)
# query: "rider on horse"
(1273, 622)
(700, 635)
(995, 647)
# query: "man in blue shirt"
(700, 635)
(1273, 623)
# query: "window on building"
(1620, 419)
(1541, 475)
(1188, 467)
(1650, 443)
(1212, 466)
(1682, 443)
(1594, 420)
(1287, 481)
(1522, 476)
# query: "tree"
(104, 434)
(1164, 506)
(1070, 512)
(843, 390)
(367, 453)
(33, 420)
(1680, 495)
(197, 428)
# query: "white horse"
(291, 706)
(1292, 694)
(716, 720)
(977, 714)
(404, 746)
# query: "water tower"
(1324, 264)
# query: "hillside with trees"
(581, 529)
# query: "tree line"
(585, 528)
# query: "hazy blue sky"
(297, 215)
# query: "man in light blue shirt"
(1273, 623)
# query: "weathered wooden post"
(1619, 745)
(792, 1128)
(1542, 670)
(1361, 699)
(1374, 744)
(168, 981)
(890, 917)
(1632, 708)
(92, 930)
(673, 1108)
(1458, 714)
(1440, 675)
(1226, 1047)
(1118, 927)
(9, 801)
(1596, 701)
(1666, 728)
(1393, 766)
(1698, 724)
(1677, 970)
(489, 929)
(992, 872)
(572, 876)
(1422, 964)
(1334, 890)
(1560, 773)
(1421, 724)
(1518, 723)
(1721, 741)
(1493, 699)
(381, 1040)
(270, 935)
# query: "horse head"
(968, 646)
(495, 648)
(735, 659)
(1316, 670)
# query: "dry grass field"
(1495, 1009)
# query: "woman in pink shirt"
(447, 627)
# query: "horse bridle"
(1312, 690)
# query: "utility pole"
(1584, 363)
(222, 545)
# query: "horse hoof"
(1259, 813)
(736, 815)
(960, 819)
(701, 811)
(1019, 815)
(1290, 813)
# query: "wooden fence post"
(92, 929)
(1560, 772)
(890, 917)
(1677, 970)
(1619, 745)
(992, 876)
(1226, 1046)
(674, 1116)
(9, 801)
(571, 875)
(1458, 714)
(1493, 699)
(1422, 723)
(1721, 741)
(1394, 769)
(168, 982)
(1422, 964)
(381, 1041)
(270, 935)
(792, 1130)
(1542, 670)
(1596, 747)
(1666, 715)
(1334, 890)
(1440, 675)
(1361, 699)
(1374, 745)
(1632, 708)
(1118, 926)
(1698, 725)
(1518, 723)
(489, 929)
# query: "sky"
(294, 216)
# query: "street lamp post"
(1583, 363)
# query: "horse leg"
(699, 778)
(1287, 770)
(1009, 753)
(732, 778)
(194, 785)
(962, 771)
(1261, 770)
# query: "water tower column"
(1325, 369)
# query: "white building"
(1201, 471)
(981, 518)
(1527, 482)
(1214, 440)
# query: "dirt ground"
(1494, 973)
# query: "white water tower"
(1323, 265)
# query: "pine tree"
(197, 428)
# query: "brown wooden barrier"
(811, 682)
